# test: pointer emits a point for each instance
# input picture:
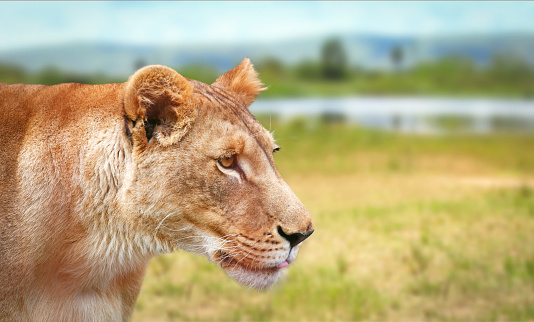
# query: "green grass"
(407, 228)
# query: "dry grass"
(439, 233)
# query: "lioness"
(98, 179)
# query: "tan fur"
(98, 179)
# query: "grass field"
(407, 228)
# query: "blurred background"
(406, 129)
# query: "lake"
(411, 114)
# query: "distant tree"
(334, 60)
(12, 74)
(510, 68)
(452, 71)
(308, 70)
(200, 71)
(271, 66)
(50, 76)
(397, 56)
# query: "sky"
(33, 24)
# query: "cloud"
(37, 23)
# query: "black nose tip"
(295, 238)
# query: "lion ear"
(155, 101)
(242, 80)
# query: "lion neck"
(113, 242)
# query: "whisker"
(242, 258)
(161, 222)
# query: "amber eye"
(227, 162)
(276, 149)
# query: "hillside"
(364, 51)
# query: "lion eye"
(227, 162)
(276, 149)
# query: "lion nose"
(295, 238)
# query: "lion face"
(204, 177)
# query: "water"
(411, 114)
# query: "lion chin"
(261, 279)
(257, 277)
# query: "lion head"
(203, 177)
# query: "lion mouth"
(226, 261)
(252, 273)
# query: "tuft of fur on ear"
(156, 96)
(242, 80)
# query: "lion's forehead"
(229, 108)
